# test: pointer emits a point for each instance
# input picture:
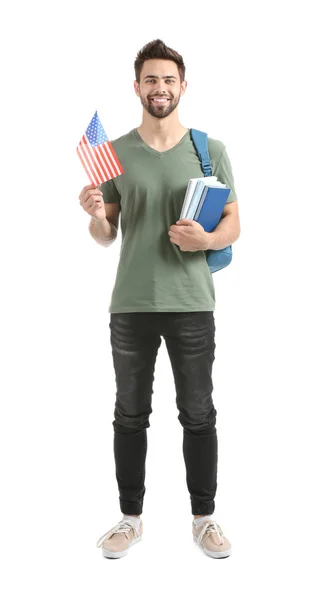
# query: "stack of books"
(204, 201)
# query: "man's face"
(160, 89)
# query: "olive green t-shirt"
(153, 274)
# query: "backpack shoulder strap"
(200, 141)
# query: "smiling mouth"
(160, 101)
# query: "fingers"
(91, 191)
(92, 203)
(89, 195)
(88, 188)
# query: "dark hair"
(158, 49)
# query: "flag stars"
(95, 132)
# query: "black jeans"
(135, 340)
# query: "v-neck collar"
(165, 152)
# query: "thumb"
(184, 222)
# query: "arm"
(105, 231)
(228, 229)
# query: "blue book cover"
(212, 207)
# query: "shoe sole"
(110, 554)
(212, 554)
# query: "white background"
(259, 79)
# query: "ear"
(183, 87)
(136, 88)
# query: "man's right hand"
(91, 200)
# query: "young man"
(163, 288)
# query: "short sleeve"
(224, 175)
(110, 192)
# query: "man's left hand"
(189, 235)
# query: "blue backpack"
(216, 259)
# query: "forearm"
(103, 232)
(224, 234)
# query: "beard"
(162, 111)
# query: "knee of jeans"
(199, 423)
(127, 423)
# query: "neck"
(161, 131)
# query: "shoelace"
(211, 527)
(123, 526)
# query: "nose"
(161, 87)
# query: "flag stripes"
(99, 161)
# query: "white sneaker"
(210, 538)
(116, 542)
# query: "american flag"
(97, 154)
